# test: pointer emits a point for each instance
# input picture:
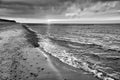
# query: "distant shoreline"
(97, 20)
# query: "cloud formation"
(75, 10)
(57, 8)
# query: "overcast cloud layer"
(45, 9)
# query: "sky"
(59, 9)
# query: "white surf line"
(114, 19)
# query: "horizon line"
(95, 20)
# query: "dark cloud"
(47, 2)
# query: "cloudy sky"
(60, 9)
